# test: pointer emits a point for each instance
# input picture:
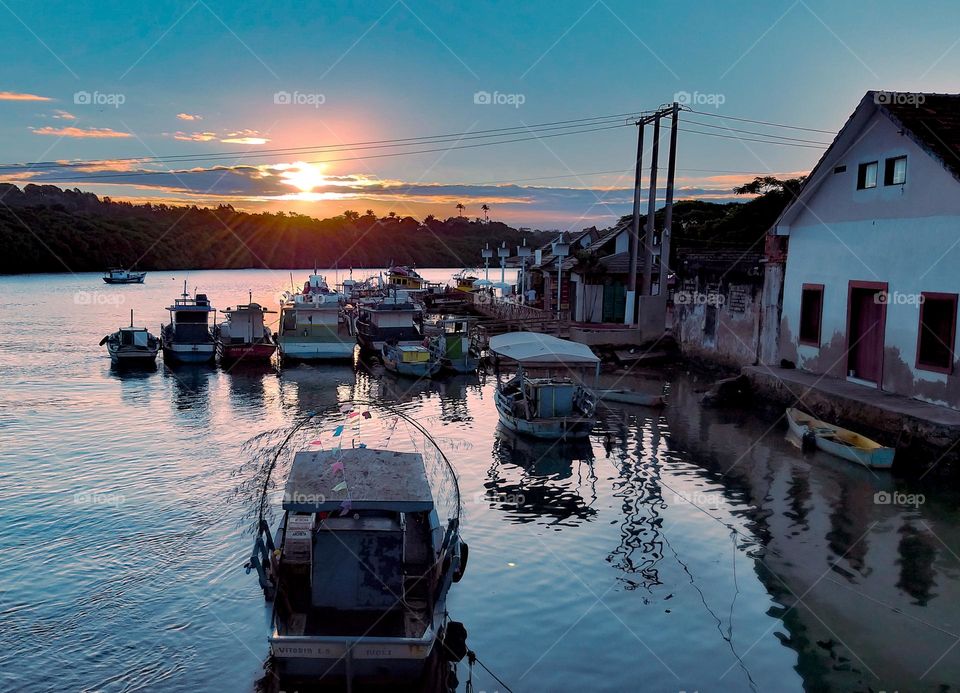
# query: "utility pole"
(668, 207)
(646, 289)
(631, 307)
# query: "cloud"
(16, 96)
(189, 116)
(236, 137)
(64, 115)
(70, 131)
(195, 136)
(245, 137)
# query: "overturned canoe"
(840, 441)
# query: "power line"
(754, 132)
(749, 139)
(761, 122)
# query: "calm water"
(682, 550)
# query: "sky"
(114, 84)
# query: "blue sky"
(384, 70)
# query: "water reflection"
(191, 389)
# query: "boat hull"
(189, 353)
(132, 280)
(363, 660)
(560, 428)
(467, 364)
(246, 352)
(425, 369)
(315, 351)
(131, 360)
(841, 442)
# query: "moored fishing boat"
(314, 325)
(840, 442)
(392, 319)
(464, 280)
(188, 338)
(364, 557)
(455, 345)
(122, 276)
(132, 346)
(403, 277)
(552, 406)
(244, 334)
(416, 361)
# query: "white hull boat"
(839, 441)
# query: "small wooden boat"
(840, 441)
(244, 335)
(629, 397)
(122, 276)
(132, 346)
(413, 361)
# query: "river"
(681, 549)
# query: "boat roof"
(375, 480)
(532, 348)
(247, 308)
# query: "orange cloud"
(195, 136)
(15, 96)
(245, 137)
(64, 115)
(189, 116)
(95, 133)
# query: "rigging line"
(762, 122)
(749, 139)
(70, 179)
(345, 145)
(752, 132)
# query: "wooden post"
(630, 310)
(668, 207)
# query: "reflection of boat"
(840, 441)
(313, 326)
(361, 569)
(545, 407)
(415, 361)
(187, 339)
(630, 397)
(389, 320)
(122, 276)
(132, 346)
(244, 335)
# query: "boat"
(403, 277)
(393, 319)
(122, 276)
(244, 335)
(314, 325)
(416, 361)
(839, 442)
(553, 406)
(642, 399)
(188, 338)
(132, 346)
(455, 345)
(464, 280)
(359, 568)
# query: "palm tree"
(486, 212)
(350, 215)
(369, 213)
(391, 214)
(460, 209)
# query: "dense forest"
(46, 229)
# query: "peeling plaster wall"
(723, 326)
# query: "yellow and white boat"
(840, 441)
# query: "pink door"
(866, 320)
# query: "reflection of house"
(871, 284)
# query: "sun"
(303, 176)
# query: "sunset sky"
(123, 82)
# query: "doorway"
(866, 324)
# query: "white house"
(873, 265)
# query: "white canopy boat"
(361, 567)
(551, 407)
(132, 346)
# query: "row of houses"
(858, 278)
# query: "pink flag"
(336, 466)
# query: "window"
(811, 314)
(840, 169)
(895, 171)
(867, 176)
(937, 332)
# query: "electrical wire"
(760, 122)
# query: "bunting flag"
(342, 486)
(336, 467)
(367, 415)
(316, 442)
(344, 408)
(337, 431)
(352, 414)
(362, 445)
(345, 507)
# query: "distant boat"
(414, 361)
(188, 338)
(403, 277)
(314, 325)
(840, 441)
(364, 558)
(122, 276)
(244, 335)
(132, 346)
(464, 280)
(629, 397)
(551, 407)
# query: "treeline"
(46, 229)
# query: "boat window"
(895, 171)
(811, 314)
(194, 316)
(867, 175)
(937, 332)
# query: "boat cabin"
(245, 324)
(190, 319)
(391, 320)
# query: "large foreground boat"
(552, 406)
(188, 338)
(122, 276)
(361, 567)
(314, 325)
(132, 346)
(244, 335)
(839, 441)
